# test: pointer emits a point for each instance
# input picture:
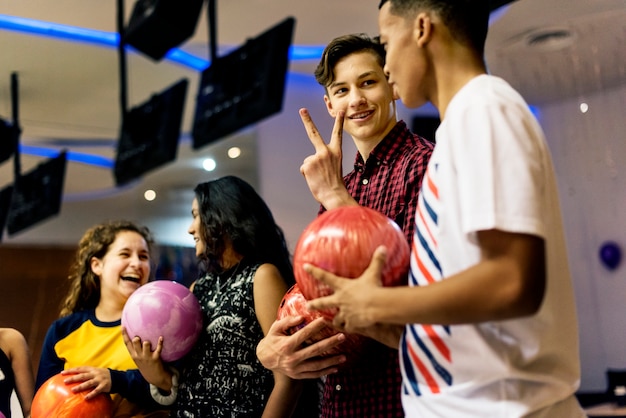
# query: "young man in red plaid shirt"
(387, 174)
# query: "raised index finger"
(337, 137)
(311, 130)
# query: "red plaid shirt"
(388, 182)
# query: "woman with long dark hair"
(247, 271)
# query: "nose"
(135, 260)
(357, 98)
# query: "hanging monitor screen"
(150, 134)
(37, 194)
(244, 86)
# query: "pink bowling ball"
(168, 309)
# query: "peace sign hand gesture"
(323, 170)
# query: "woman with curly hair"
(112, 261)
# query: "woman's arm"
(269, 289)
(163, 379)
(19, 354)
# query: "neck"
(230, 259)
(108, 312)
(456, 69)
(365, 145)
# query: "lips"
(131, 279)
(360, 115)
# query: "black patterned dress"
(221, 376)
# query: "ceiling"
(69, 90)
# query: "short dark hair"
(467, 20)
(341, 47)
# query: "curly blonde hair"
(84, 290)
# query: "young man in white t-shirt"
(490, 318)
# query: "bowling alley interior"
(66, 82)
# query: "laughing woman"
(112, 261)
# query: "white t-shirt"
(491, 169)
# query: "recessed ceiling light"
(209, 164)
(584, 107)
(149, 195)
(234, 152)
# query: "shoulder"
(10, 334)
(266, 270)
(11, 339)
(412, 144)
(65, 325)
(268, 275)
(486, 91)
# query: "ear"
(96, 266)
(329, 106)
(422, 29)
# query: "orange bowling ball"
(55, 399)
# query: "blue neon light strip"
(111, 40)
(79, 157)
(108, 39)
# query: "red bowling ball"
(294, 304)
(343, 241)
(168, 309)
(55, 399)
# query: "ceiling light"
(234, 152)
(209, 164)
(584, 107)
(149, 195)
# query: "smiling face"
(124, 267)
(406, 63)
(195, 229)
(361, 90)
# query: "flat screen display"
(37, 195)
(150, 134)
(244, 86)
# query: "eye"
(340, 91)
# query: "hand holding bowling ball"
(294, 304)
(56, 399)
(342, 241)
(168, 309)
